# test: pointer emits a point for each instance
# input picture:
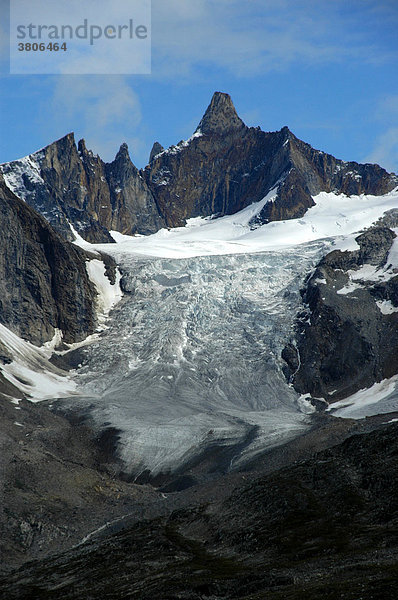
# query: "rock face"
(225, 166)
(323, 528)
(44, 282)
(156, 149)
(222, 168)
(70, 185)
(57, 483)
(347, 336)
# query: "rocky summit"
(224, 167)
(72, 186)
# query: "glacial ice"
(191, 358)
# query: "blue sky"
(326, 69)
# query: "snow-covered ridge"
(17, 172)
(336, 217)
(175, 149)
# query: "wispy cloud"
(385, 151)
(247, 38)
(385, 148)
(107, 109)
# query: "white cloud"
(248, 38)
(106, 109)
(385, 150)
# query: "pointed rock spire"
(123, 152)
(122, 160)
(65, 143)
(220, 116)
(69, 138)
(156, 149)
(81, 146)
(121, 168)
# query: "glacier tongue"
(191, 359)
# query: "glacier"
(191, 357)
(189, 363)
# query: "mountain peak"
(81, 146)
(156, 149)
(220, 115)
(123, 153)
(66, 141)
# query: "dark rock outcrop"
(70, 185)
(134, 209)
(44, 282)
(226, 166)
(156, 149)
(347, 336)
(220, 116)
(323, 528)
(221, 169)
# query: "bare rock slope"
(346, 336)
(44, 281)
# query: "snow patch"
(108, 295)
(31, 372)
(79, 241)
(386, 307)
(347, 243)
(49, 347)
(380, 398)
(348, 289)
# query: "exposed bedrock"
(44, 282)
(347, 334)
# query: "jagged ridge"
(72, 185)
(221, 169)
